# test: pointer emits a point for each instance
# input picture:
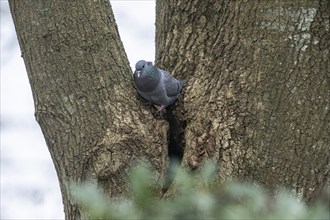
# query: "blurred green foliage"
(199, 197)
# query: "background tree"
(256, 101)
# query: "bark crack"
(176, 141)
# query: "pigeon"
(156, 85)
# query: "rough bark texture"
(257, 99)
(93, 123)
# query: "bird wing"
(172, 85)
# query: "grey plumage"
(156, 85)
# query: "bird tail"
(183, 82)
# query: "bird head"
(142, 67)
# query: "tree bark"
(85, 103)
(257, 99)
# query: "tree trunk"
(85, 104)
(256, 100)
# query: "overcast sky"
(29, 186)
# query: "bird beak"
(138, 73)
